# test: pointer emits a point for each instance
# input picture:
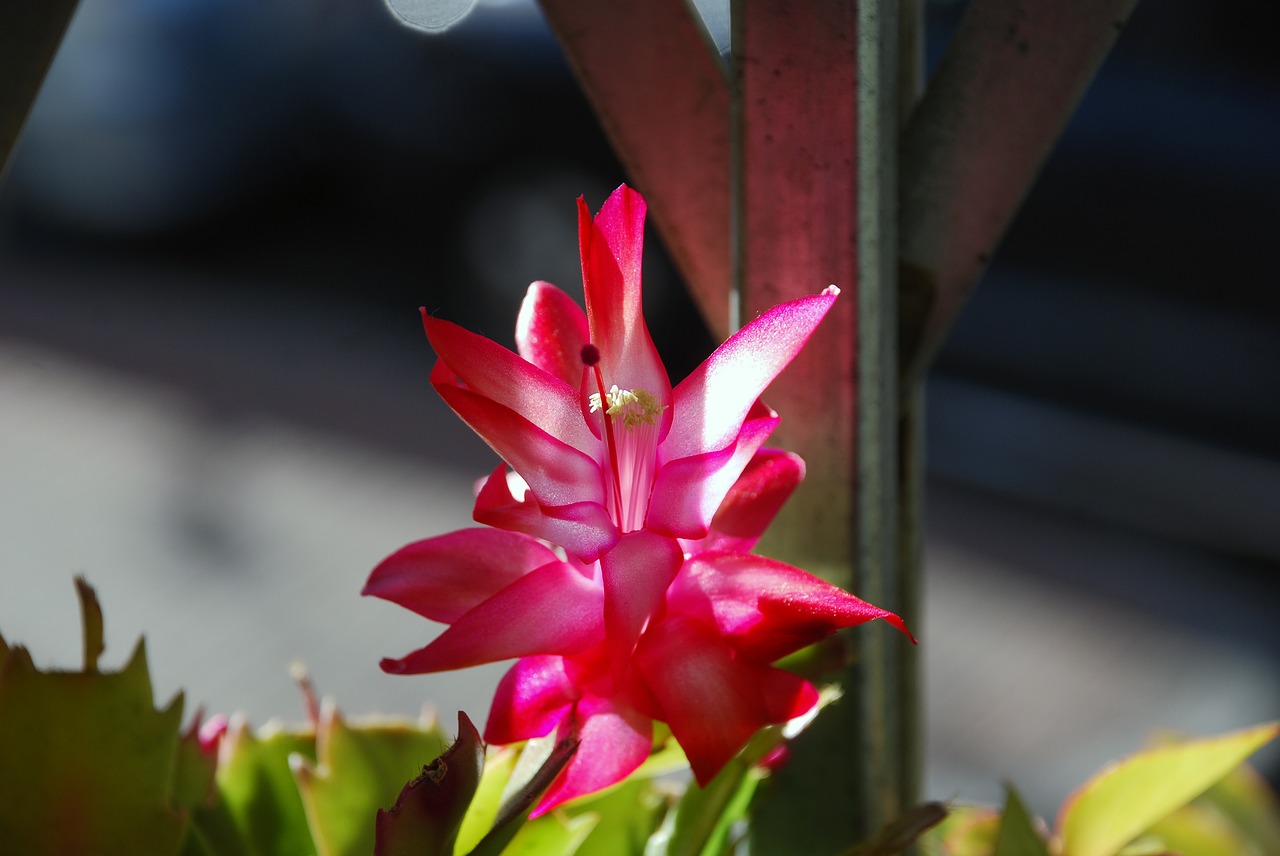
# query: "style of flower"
(617, 568)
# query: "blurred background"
(224, 215)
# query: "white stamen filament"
(634, 414)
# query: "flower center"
(637, 407)
(631, 444)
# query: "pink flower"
(617, 570)
(702, 665)
(585, 415)
(603, 442)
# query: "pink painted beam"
(817, 172)
(798, 64)
(662, 95)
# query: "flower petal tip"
(391, 666)
(831, 291)
(897, 622)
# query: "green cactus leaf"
(1018, 836)
(498, 767)
(359, 769)
(967, 830)
(1199, 829)
(525, 786)
(1247, 800)
(428, 813)
(551, 835)
(87, 762)
(627, 816)
(1118, 803)
(260, 810)
(706, 815)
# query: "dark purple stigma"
(590, 354)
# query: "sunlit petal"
(507, 379)
(766, 608)
(688, 491)
(710, 404)
(557, 473)
(612, 245)
(637, 572)
(552, 610)
(615, 740)
(443, 577)
(583, 529)
(751, 504)
(532, 698)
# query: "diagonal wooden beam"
(30, 31)
(1014, 73)
(661, 92)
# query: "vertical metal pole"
(881, 657)
(911, 456)
(815, 194)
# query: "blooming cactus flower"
(617, 568)
(702, 665)
(585, 412)
(604, 447)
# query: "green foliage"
(902, 832)
(1193, 798)
(705, 816)
(525, 785)
(428, 813)
(1017, 835)
(627, 817)
(967, 830)
(479, 819)
(87, 762)
(1239, 816)
(257, 794)
(358, 770)
(1116, 805)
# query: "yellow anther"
(635, 407)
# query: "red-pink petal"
(711, 697)
(710, 404)
(612, 245)
(557, 473)
(688, 491)
(552, 610)
(584, 529)
(550, 332)
(443, 577)
(749, 507)
(532, 698)
(765, 608)
(615, 740)
(636, 574)
(786, 695)
(492, 371)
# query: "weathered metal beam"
(1012, 77)
(30, 32)
(815, 204)
(661, 92)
